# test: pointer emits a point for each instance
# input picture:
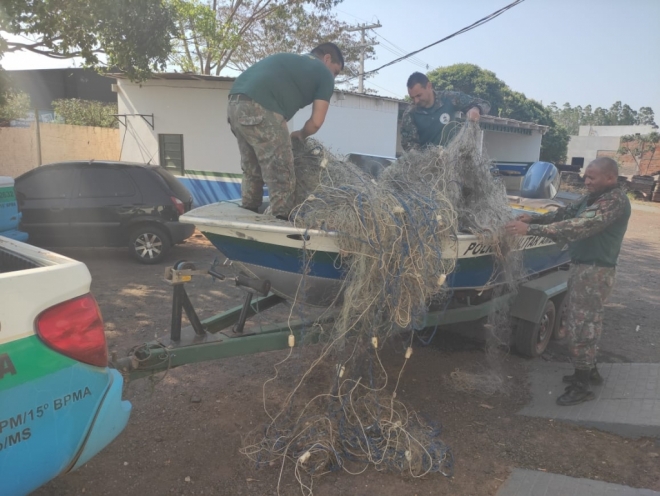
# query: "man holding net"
(261, 101)
(431, 120)
(594, 229)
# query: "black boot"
(595, 379)
(577, 392)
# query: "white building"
(595, 141)
(180, 122)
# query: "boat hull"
(266, 248)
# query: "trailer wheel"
(532, 338)
(559, 331)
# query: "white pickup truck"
(60, 403)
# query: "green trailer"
(535, 308)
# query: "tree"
(646, 116)
(298, 29)
(14, 105)
(617, 115)
(214, 34)
(505, 102)
(472, 80)
(85, 112)
(134, 35)
(641, 147)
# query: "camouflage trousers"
(588, 288)
(266, 156)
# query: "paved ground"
(536, 483)
(628, 404)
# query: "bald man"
(594, 230)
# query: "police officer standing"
(594, 229)
(431, 120)
(261, 101)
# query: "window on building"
(577, 161)
(171, 152)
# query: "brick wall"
(649, 164)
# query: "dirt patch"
(185, 431)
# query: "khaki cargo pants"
(589, 287)
(266, 155)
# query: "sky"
(585, 52)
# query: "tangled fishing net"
(397, 236)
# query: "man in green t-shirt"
(594, 229)
(261, 101)
(431, 120)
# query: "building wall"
(590, 147)
(198, 110)
(356, 124)
(46, 85)
(59, 142)
(195, 109)
(512, 147)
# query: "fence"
(22, 149)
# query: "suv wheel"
(148, 243)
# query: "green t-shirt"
(286, 82)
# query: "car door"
(102, 201)
(44, 196)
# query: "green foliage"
(86, 112)
(134, 35)
(505, 102)
(472, 80)
(298, 29)
(214, 34)
(14, 105)
(554, 145)
(641, 148)
(617, 115)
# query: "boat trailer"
(536, 306)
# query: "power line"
(474, 25)
(412, 61)
(401, 51)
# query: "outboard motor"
(541, 181)
(373, 165)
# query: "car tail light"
(75, 329)
(180, 207)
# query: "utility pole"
(38, 130)
(363, 28)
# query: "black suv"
(104, 204)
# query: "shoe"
(579, 391)
(595, 379)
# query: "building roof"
(180, 76)
(512, 123)
(188, 76)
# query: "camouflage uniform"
(594, 229)
(266, 155)
(445, 106)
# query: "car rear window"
(175, 186)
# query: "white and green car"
(60, 403)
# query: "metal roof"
(180, 76)
(189, 76)
(503, 121)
